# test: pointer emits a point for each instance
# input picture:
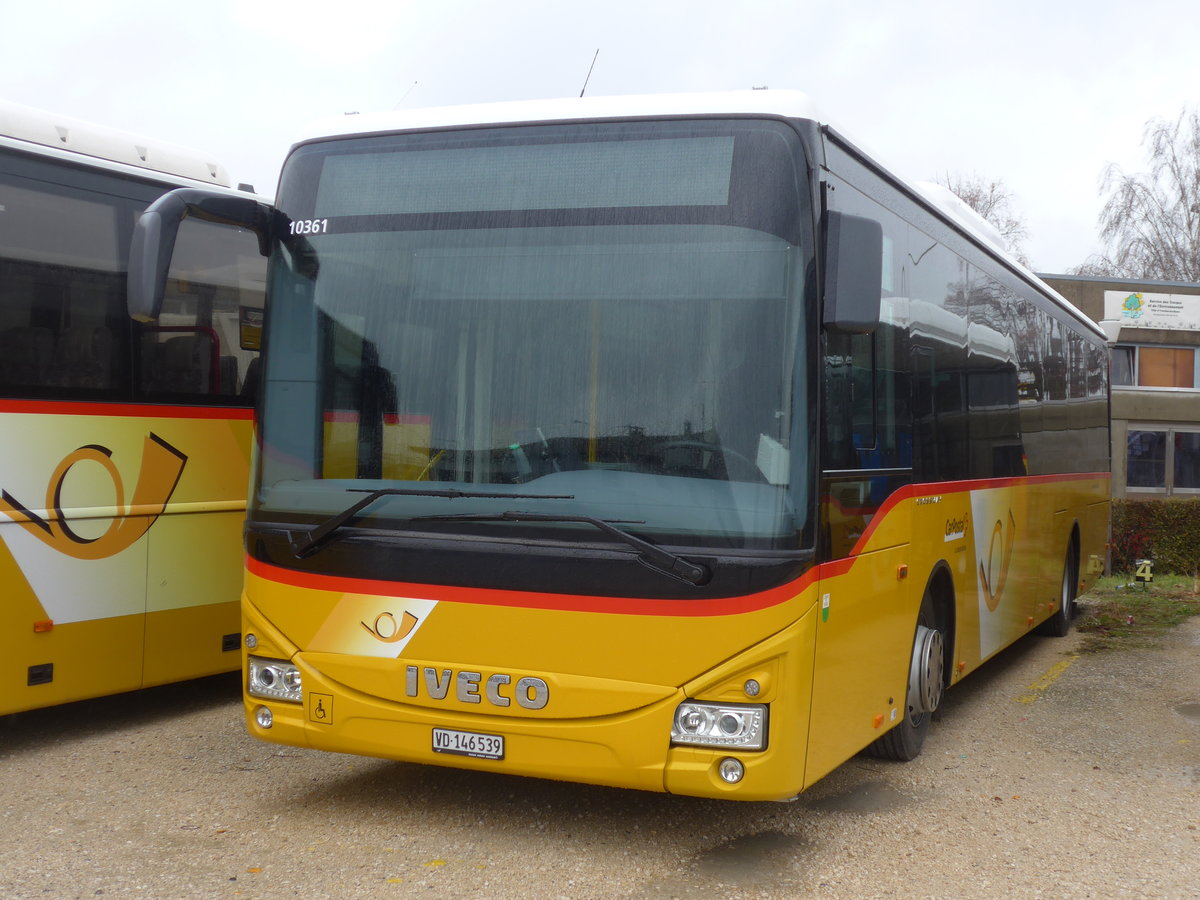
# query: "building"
(1154, 334)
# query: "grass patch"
(1117, 614)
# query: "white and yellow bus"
(663, 442)
(125, 458)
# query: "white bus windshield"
(609, 314)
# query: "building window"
(1146, 459)
(1156, 367)
(1163, 460)
(1122, 365)
(1187, 460)
(1166, 367)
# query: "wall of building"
(1136, 409)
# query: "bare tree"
(992, 199)
(1150, 223)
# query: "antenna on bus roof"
(589, 74)
(405, 94)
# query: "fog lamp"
(731, 770)
(263, 717)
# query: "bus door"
(864, 629)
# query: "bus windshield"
(596, 320)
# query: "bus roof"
(26, 125)
(792, 104)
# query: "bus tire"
(1059, 624)
(926, 684)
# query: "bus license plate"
(468, 743)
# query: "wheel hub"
(925, 682)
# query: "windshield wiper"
(312, 541)
(651, 556)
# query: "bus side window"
(205, 339)
(994, 427)
(62, 290)
(893, 416)
(849, 399)
(924, 427)
(1097, 416)
(867, 419)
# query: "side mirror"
(155, 233)
(853, 273)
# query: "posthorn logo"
(158, 476)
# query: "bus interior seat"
(253, 376)
(83, 357)
(26, 355)
(229, 375)
(178, 365)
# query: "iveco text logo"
(472, 687)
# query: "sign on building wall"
(1144, 310)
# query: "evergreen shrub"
(1166, 531)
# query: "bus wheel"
(1059, 624)
(926, 683)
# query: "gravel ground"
(1048, 775)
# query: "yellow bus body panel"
(381, 663)
(597, 729)
(120, 547)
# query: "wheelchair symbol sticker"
(320, 708)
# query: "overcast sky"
(1039, 94)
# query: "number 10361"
(308, 226)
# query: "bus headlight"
(741, 725)
(273, 679)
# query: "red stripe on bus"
(720, 606)
(137, 410)
(351, 416)
(710, 607)
(916, 491)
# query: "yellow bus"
(669, 443)
(125, 458)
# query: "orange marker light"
(43, 625)
(879, 720)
